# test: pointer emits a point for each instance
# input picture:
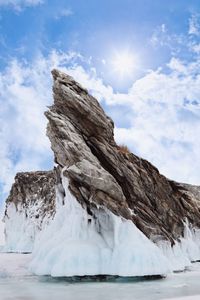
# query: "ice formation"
(185, 251)
(29, 207)
(22, 229)
(77, 244)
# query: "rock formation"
(109, 184)
(29, 207)
(83, 142)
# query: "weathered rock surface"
(29, 207)
(100, 173)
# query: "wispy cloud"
(163, 113)
(186, 42)
(163, 110)
(162, 37)
(194, 25)
(20, 4)
(63, 13)
(25, 91)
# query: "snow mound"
(76, 243)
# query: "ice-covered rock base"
(121, 204)
(22, 227)
(78, 243)
(184, 252)
(29, 207)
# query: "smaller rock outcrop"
(29, 206)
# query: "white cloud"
(161, 37)
(163, 110)
(166, 121)
(196, 48)
(19, 4)
(25, 92)
(164, 116)
(178, 43)
(194, 25)
(63, 13)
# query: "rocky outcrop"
(100, 173)
(29, 207)
(115, 213)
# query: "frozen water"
(79, 243)
(14, 265)
(17, 284)
(22, 227)
(185, 298)
(2, 238)
(76, 243)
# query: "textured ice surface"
(76, 243)
(184, 252)
(14, 265)
(22, 227)
(197, 297)
(17, 284)
(2, 239)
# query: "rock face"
(115, 213)
(29, 207)
(100, 173)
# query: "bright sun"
(124, 63)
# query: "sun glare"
(124, 63)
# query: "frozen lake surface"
(16, 283)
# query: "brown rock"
(99, 173)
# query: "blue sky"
(155, 106)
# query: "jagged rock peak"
(100, 173)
